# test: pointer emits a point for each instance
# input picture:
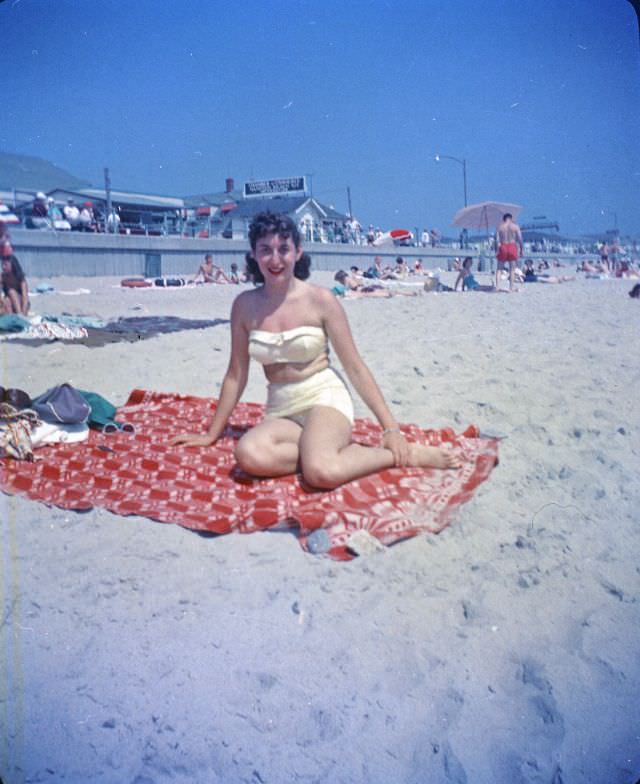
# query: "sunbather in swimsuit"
(302, 385)
(293, 400)
(470, 282)
(15, 291)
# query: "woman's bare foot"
(422, 456)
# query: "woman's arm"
(235, 380)
(337, 328)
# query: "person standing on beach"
(287, 324)
(508, 242)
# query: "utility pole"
(464, 177)
(310, 176)
(349, 201)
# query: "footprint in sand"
(541, 700)
(535, 709)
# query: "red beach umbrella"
(393, 236)
(400, 234)
(6, 216)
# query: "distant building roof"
(130, 198)
(533, 235)
(247, 208)
(213, 199)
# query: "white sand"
(504, 650)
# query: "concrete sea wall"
(45, 254)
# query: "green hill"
(27, 172)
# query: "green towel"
(102, 411)
(12, 322)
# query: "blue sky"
(541, 98)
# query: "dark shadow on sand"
(130, 329)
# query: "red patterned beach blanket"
(203, 489)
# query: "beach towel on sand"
(203, 489)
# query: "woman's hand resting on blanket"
(192, 439)
(398, 446)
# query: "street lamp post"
(615, 217)
(463, 163)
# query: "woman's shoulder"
(316, 293)
(244, 305)
(319, 299)
(247, 298)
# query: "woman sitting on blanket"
(15, 291)
(286, 324)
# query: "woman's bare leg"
(13, 299)
(328, 458)
(270, 448)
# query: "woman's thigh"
(270, 448)
(274, 429)
(267, 435)
(326, 432)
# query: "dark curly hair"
(271, 223)
(16, 269)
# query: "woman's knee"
(321, 473)
(253, 454)
(246, 453)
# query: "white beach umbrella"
(485, 215)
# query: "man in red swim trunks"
(508, 241)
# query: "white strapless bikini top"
(300, 344)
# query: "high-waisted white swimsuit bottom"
(295, 399)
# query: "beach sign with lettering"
(286, 186)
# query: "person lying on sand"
(627, 270)
(587, 266)
(531, 276)
(351, 288)
(286, 324)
